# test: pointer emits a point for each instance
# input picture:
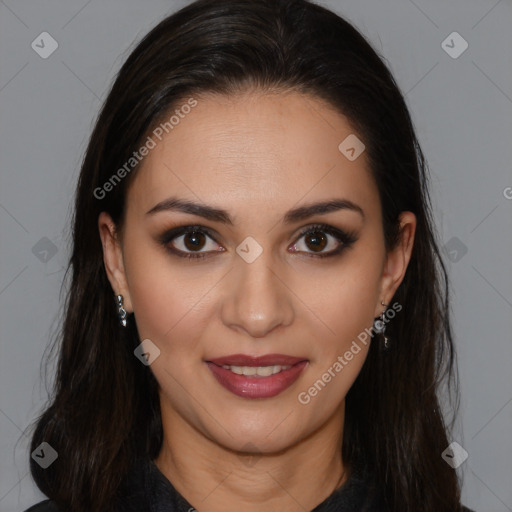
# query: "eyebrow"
(219, 215)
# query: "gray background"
(462, 112)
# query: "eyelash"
(346, 239)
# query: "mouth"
(257, 377)
(243, 360)
(256, 371)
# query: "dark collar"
(146, 489)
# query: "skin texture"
(256, 155)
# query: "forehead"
(253, 150)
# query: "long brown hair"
(104, 410)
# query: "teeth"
(260, 371)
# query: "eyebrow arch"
(219, 215)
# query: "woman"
(258, 317)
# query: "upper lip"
(266, 360)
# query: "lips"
(227, 369)
(266, 360)
(256, 386)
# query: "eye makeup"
(344, 238)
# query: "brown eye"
(316, 240)
(190, 242)
(194, 240)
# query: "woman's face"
(255, 165)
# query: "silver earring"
(379, 325)
(121, 312)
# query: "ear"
(113, 258)
(397, 260)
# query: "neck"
(214, 477)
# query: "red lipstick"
(257, 386)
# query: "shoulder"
(43, 506)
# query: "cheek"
(342, 301)
(162, 300)
(343, 306)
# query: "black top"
(146, 489)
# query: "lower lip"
(257, 387)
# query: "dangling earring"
(379, 325)
(121, 312)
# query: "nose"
(258, 299)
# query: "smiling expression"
(247, 231)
